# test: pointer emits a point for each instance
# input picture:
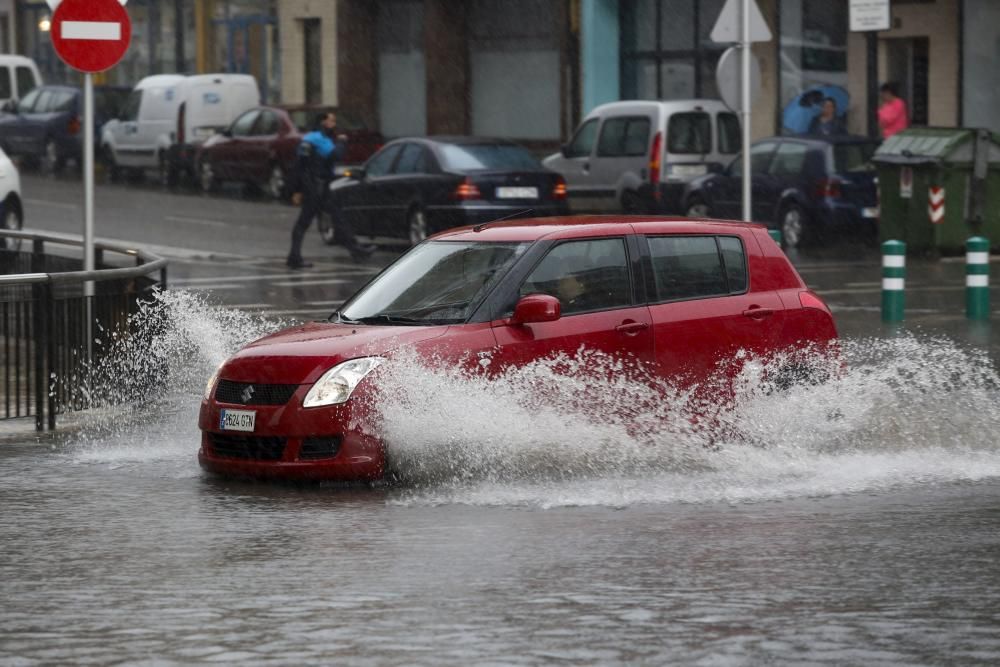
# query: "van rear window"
(690, 133)
(5, 89)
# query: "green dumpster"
(939, 186)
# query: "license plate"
(688, 170)
(237, 420)
(517, 193)
(870, 212)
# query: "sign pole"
(88, 204)
(745, 61)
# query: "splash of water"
(891, 412)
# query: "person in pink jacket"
(892, 116)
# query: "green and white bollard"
(776, 235)
(977, 278)
(893, 281)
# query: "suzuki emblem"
(247, 394)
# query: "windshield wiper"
(391, 319)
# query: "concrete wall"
(292, 37)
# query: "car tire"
(168, 173)
(207, 180)
(277, 183)
(327, 232)
(793, 226)
(697, 208)
(632, 203)
(416, 223)
(13, 219)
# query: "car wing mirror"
(564, 150)
(356, 173)
(535, 308)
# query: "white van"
(638, 156)
(18, 77)
(168, 116)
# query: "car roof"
(669, 106)
(458, 140)
(578, 226)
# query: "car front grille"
(249, 393)
(319, 448)
(250, 447)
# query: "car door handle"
(630, 328)
(758, 313)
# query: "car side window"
(621, 137)
(243, 125)
(687, 267)
(27, 102)
(585, 276)
(26, 81)
(735, 261)
(728, 128)
(583, 141)
(267, 124)
(381, 162)
(789, 159)
(6, 91)
(760, 158)
(44, 102)
(61, 101)
(130, 111)
(690, 133)
(413, 160)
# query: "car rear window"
(693, 267)
(624, 137)
(491, 157)
(690, 133)
(853, 157)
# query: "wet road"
(864, 528)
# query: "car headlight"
(211, 382)
(338, 383)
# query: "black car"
(45, 126)
(803, 185)
(415, 187)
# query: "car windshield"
(853, 157)
(491, 157)
(439, 282)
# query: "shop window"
(813, 45)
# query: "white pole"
(88, 200)
(745, 89)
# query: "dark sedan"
(259, 147)
(45, 126)
(416, 187)
(804, 186)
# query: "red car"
(675, 295)
(259, 147)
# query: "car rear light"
(559, 192)
(810, 300)
(73, 126)
(181, 113)
(466, 190)
(828, 187)
(654, 159)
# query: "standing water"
(854, 521)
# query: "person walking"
(315, 161)
(892, 115)
(827, 123)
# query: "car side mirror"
(357, 173)
(564, 150)
(535, 308)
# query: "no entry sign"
(91, 35)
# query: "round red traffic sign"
(91, 35)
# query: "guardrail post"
(37, 256)
(977, 278)
(893, 281)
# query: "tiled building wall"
(291, 14)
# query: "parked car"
(804, 186)
(46, 127)
(168, 116)
(18, 77)
(11, 209)
(638, 156)
(415, 187)
(670, 298)
(260, 147)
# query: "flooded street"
(855, 522)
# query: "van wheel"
(168, 173)
(631, 203)
(276, 182)
(327, 232)
(417, 225)
(13, 220)
(793, 226)
(206, 177)
(697, 208)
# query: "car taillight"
(828, 187)
(810, 300)
(654, 159)
(181, 112)
(559, 192)
(466, 190)
(73, 127)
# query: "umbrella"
(806, 105)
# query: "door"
(259, 150)
(33, 124)
(399, 191)
(573, 162)
(362, 204)
(231, 156)
(125, 133)
(12, 127)
(622, 147)
(908, 63)
(786, 172)
(727, 194)
(592, 280)
(703, 313)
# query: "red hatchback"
(672, 296)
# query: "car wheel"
(631, 203)
(793, 226)
(206, 177)
(276, 182)
(13, 220)
(327, 232)
(417, 223)
(697, 208)
(168, 172)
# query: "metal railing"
(50, 311)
